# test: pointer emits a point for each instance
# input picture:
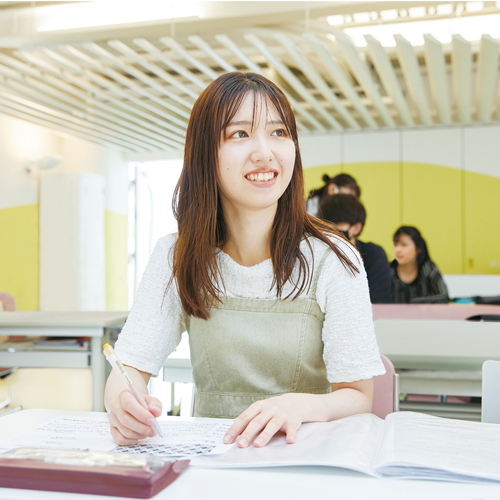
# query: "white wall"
(22, 142)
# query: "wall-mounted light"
(43, 164)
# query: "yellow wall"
(116, 261)
(19, 255)
(456, 211)
(482, 223)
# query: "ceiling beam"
(74, 80)
(358, 67)
(487, 78)
(461, 64)
(310, 72)
(413, 78)
(294, 82)
(153, 68)
(438, 78)
(164, 58)
(338, 76)
(386, 73)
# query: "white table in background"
(62, 324)
(288, 483)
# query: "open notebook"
(405, 445)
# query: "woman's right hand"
(129, 420)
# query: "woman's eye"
(239, 134)
(280, 133)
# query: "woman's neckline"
(231, 260)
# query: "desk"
(62, 324)
(290, 483)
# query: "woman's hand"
(267, 417)
(129, 420)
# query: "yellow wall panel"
(380, 194)
(116, 261)
(432, 201)
(482, 224)
(19, 266)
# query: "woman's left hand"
(265, 418)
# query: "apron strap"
(318, 272)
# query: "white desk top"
(73, 319)
(290, 483)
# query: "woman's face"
(405, 250)
(255, 164)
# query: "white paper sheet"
(350, 443)
(414, 444)
(181, 437)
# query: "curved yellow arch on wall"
(457, 211)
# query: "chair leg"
(396, 392)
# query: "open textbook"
(405, 445)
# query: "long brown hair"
(197, 207)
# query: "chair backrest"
(385, 390)
(490, 397)
(7, 302)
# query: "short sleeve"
(350, 347)
(156, 322)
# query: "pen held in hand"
(118, 367)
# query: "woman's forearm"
(345, 400)
(115, 385)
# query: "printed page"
(419, 445)
(182, 437)
(349, 443)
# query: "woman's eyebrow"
(246, 122)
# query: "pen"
(117, 366)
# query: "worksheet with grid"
(182, 437)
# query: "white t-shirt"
(157, 320)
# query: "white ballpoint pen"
(122, 373)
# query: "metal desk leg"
(97, 365)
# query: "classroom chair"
(490, 400)
(386, 390)
(7, 302)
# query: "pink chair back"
(8, 302)
(384, 390)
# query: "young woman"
(275, 302)
(414, 277)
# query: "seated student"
(415, 278)
(340, 184)
(349, 216)
(275, 301)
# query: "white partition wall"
(72, 255)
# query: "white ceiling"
(134, 91)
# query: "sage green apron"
(253, 349)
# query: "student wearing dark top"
(415, 278)
(349, 215)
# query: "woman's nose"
(262, 152)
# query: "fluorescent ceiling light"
(389, 15)
(474, 6)
(111, 13)
(335, 20)
(471, 28)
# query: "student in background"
(340, 184)
(276, 302)
(415, 278)
(349, 216)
